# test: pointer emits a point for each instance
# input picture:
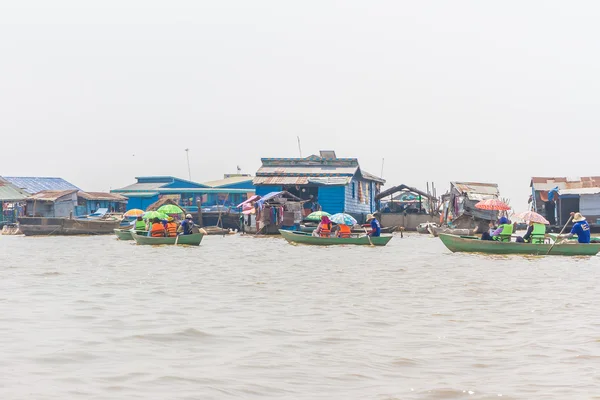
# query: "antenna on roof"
(187, 153)
(239, 170)
(382, 161)
(299, 148)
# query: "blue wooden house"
(231, 190)
(337, 184)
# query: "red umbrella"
(493, 205)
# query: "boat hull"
(189, 240)
(125, 234)
(35, 226)
(306, 238)
(459, 244)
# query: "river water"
(247, 317)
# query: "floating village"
(294, 197)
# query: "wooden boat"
(384, 229)
(125, 234)
(307, 238)
(475, 245)
(436, 231)
(31, 226)
(190, 240)
(426, 228)
(554, 236)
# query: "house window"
(353, 190)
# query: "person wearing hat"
(171, 227)
(580, 228)
(187, 225)
(375, 226)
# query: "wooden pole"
(199, 205)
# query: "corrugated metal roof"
(140, 194)
(594, 190)
(143, 187)
(330, 181)
(476, 187)
(228, 181)
(371, 177)
(102, 196)
(37, 184)
(280, 180)
(50, 195)
(9, 192)
(316, 170)
(548, 183)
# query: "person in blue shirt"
(375, 226)
(187, 225)
(580, 228)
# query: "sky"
(101, 92)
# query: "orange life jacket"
(345, 231)
(325, 230)
(157, 230)
(171, 229)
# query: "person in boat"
(157, 229)
(344, 231)
(171, 228)
(536, 233)
(324, 228)
(375, 226)
(187, 225)
(502, 233)
(580, 228)
(139, 225)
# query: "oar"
(176, 239)
(369, 237)
(558, 237)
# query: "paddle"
(558, 237)
(176, 239)
(369, 237)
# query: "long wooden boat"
(438, 230)
(31, 226)
(125, 234)
(307, 238)
(554, 236)
(475, 245)
(190, 240)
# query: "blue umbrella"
(343, 219)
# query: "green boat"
(474, 245)
(190, 240)
(125, 234)
(554, 236)
(307, 238)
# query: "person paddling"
(375, 226)
(187, 225)
(580, 228)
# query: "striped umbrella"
(532, 217)
(492, 205)
(343, 219)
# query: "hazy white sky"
(101, 92)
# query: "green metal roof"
(9, 192)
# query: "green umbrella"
(170, 209)
(316, 216)
(154, 214)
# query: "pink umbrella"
(492, 205)
(532, 217)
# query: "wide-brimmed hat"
(370, 217)
(188, 216)
(170, 219)
(578, 217)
